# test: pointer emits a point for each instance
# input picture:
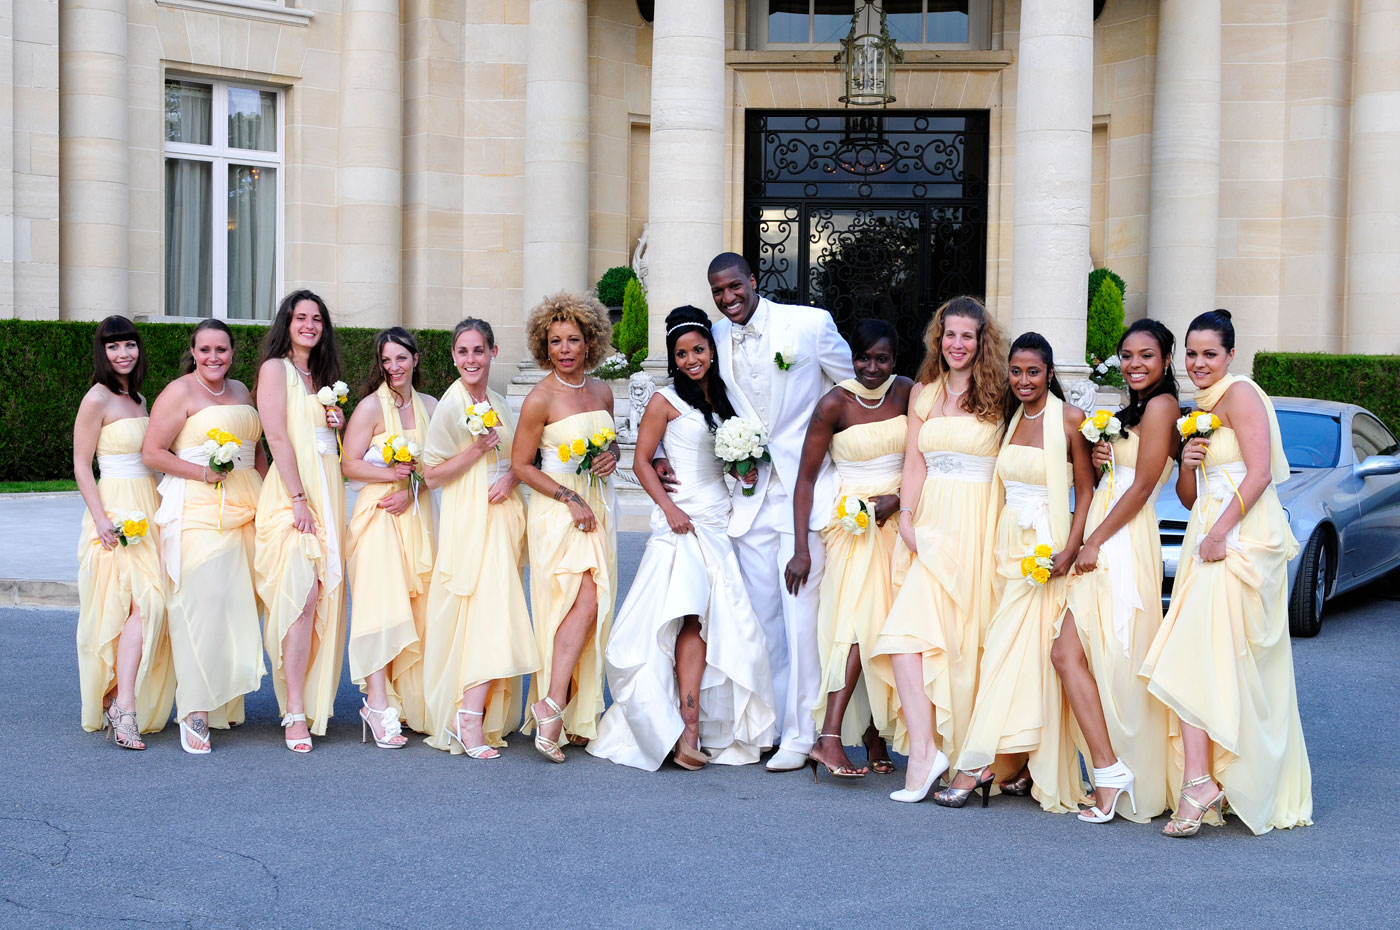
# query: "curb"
(29, 592)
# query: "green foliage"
(48, 367)
(1370, 381)
(630, 336)
(612, 285)
(1105, 317)
(1096, 278)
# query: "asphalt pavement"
(253, 836)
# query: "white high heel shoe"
(1119, 777)
(483, 751)
(293, 744)
(940, 765)
(388, 722)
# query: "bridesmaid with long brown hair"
(301, 517)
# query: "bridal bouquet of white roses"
(743, 444)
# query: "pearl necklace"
(400, 406)
(952, 393)
(294, 365)
(1032, 416)
(212, 392)
(874, 406)
(576, 387)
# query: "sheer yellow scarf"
(865, 393)
(393, 425)
(462, 535)
(1207, 398)
(303, 419)
(1055, 450)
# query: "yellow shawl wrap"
(1207, 398)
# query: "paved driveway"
(351, 836)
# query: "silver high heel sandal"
(393, 737)
(455, 732)
(1117, 776)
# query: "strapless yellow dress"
(560, 555)
(478, 623)
(113, 581)
(1137, 722)
(389, 561)
(1222, 660)
(1020, 705)
(215, 637)
(858, 587)
(944, 591)
(287, 562)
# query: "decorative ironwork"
(872, 215)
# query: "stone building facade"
(418, 161)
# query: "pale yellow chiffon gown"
(287, 562)
(1117, 610)
(389, 560)
(858, 587)
(112, 581)
(1020, 705)
(560, 555)
(945, 594)
(478, 624)
(1222, 660)
(208, 538)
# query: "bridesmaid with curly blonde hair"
(573, 539)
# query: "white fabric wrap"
(960, 466)
(326, 445)
(170, 515)
(1118, 550)
(1032, 505)
(325, 440)
(550, 465)
(123, 465)
(1222, 482)
(873, 471)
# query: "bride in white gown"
(686, 661)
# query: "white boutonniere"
(785, 358)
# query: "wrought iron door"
(868, 214)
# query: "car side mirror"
(1374, 465)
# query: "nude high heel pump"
(1117, 776)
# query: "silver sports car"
(1342, 501)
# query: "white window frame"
(219, 154)
(979, 29)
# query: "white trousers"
(789, 623)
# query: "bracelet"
(205, 470)
(907, 510)
(299, 496)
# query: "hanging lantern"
(868, 56)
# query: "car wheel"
(1310, 588)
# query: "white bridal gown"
(680, 575)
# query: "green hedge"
(48, 367)
(1372, 381)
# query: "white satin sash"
(1118, 550)
(1222, 483)
(374, 455)
(123, 465)
(170, 515)
(959, 466)
(871, 471)
(1032, 505)
(326, 445)
(325, 440)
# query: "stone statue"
(640, 388)
(1083, 394)
(639, 259)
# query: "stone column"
(1053, 169)
(1183, 225)
(93, 159)
(685, 188)
(369, 176)
(556, 150)
(1373, 215)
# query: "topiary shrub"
(612, 286)
(48, 367)
(1096, 278)
(1367, 380)
(630, 335)
(1105, 325)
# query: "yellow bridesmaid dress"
(858, 587)
(944, 589)
(1222, 660)
(287, 562)
(208, 536)
(1117, 609)
(478, 624)
(560, 554)
(112, 581)
(1020, 705)
(389, 560)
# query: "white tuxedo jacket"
(823, 358)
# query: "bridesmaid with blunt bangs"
(299, 557)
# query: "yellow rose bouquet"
(1103, 426)
(854, 515)
(131, 528)
(222, 448)
(479, 418)
(586, 448)
(397, 450)
(1035, 568)
(1202, 426)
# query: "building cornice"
(914, 60)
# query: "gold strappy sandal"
(1188, 826)
(543, 745)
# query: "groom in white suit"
(752, 333)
